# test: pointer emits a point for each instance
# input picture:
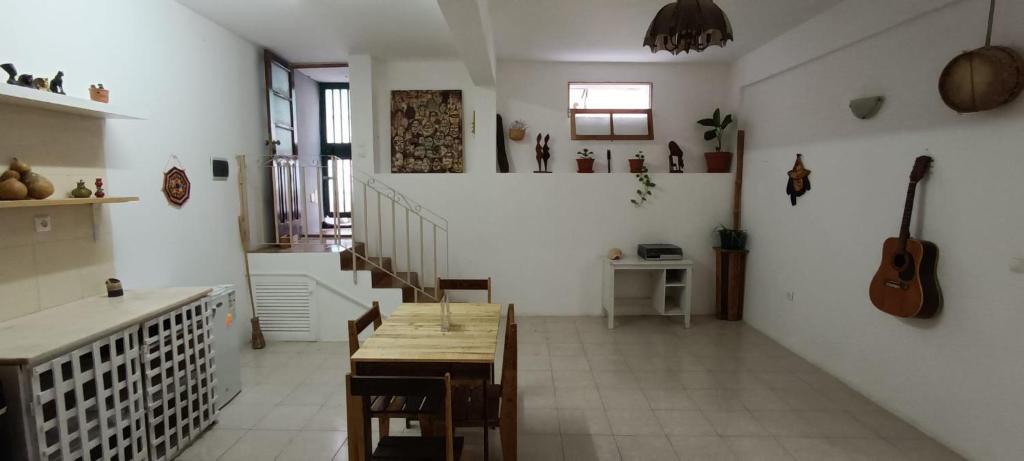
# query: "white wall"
(200, 88)
(957, 377)
(538, 94)
(542, 238)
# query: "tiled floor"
(648, 390)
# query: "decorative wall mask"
(177, 188)
(426, 131)
(799, 180)
(866, 108)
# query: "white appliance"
(226, 343)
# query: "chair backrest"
(437, 400)
(464, 284)
(357, 326)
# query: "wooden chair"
(425, 397)
(357, 326)
(467, 406)
(464, 284)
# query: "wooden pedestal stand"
(731, 265)
(730, 274)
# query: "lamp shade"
(687, 25)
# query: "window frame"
(340, 150)
(611, 115)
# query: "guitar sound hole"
(905, 264)
(899, 260)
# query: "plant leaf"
(718, 117)
(727, 121)
(706, 122)
(710, 135)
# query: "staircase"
(409, 242)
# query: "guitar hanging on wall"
(906, 284)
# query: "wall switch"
(43, 223)
(1017, 265)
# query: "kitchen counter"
(40, 336)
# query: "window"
(611, 111)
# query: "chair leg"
(384, 426)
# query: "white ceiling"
(327, 74)
(613, 30)
(547, 30)
(332, 30)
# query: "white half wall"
(956, 377)
(200, 88)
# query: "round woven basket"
(516, 134)
(982, 79)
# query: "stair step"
(346, 262)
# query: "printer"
(659, 252)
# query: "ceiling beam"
(470, 25)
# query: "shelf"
(65, 202)
(680, 284)
(29, 97)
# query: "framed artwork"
(426, 131)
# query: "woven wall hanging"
(177, 187)
(799, 180)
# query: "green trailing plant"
(585, 153)
(646, 190)
(731, 239)
(716, 127)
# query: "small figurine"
(41, 84)
(675, 158)
(100, 193)
(57, 84)
(81, 191)
(12, 73)
(547, 152)
(799, 180)
(99, 94)
(540, 154)
(25, 80)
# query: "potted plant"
(517, 131)
(636, 164)
(585, 164)
(732, 239)
(718, 161)
(646, 186)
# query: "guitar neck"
(908, 211)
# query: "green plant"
(716, 127)
(646, 186)
(732, 239)
(518, 125)
(639, 155)
(585, 153)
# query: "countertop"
(45, 334)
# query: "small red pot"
(584, 165)
(718, 162)
(636, 165)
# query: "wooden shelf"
(28, 97)
(65, 202)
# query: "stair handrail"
(392, 193)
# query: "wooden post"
(731, 265)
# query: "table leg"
(355, 427)
(487, 451)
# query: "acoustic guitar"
(906, 284)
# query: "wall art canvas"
(426, 131)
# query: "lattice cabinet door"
(178, 370)
(88, 403)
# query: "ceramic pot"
(718, 162)
(584, 165)
(636, 165)
(99, 94)
(81, 191)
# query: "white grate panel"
(178, 378)
(284, 305)
(87, 405)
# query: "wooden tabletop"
(413, 334)
(36, 337)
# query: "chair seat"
(467, 405)
(415, 448)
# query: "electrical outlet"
(790, 295)
(43, 223)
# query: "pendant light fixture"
(686, 25)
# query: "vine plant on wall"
(646, 190)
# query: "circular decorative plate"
(176, 186)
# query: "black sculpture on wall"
(57, 84)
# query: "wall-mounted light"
(866, 108)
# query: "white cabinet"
(633, 286)
(88, 402)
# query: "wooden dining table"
(410, 343)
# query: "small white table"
(634, 286)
